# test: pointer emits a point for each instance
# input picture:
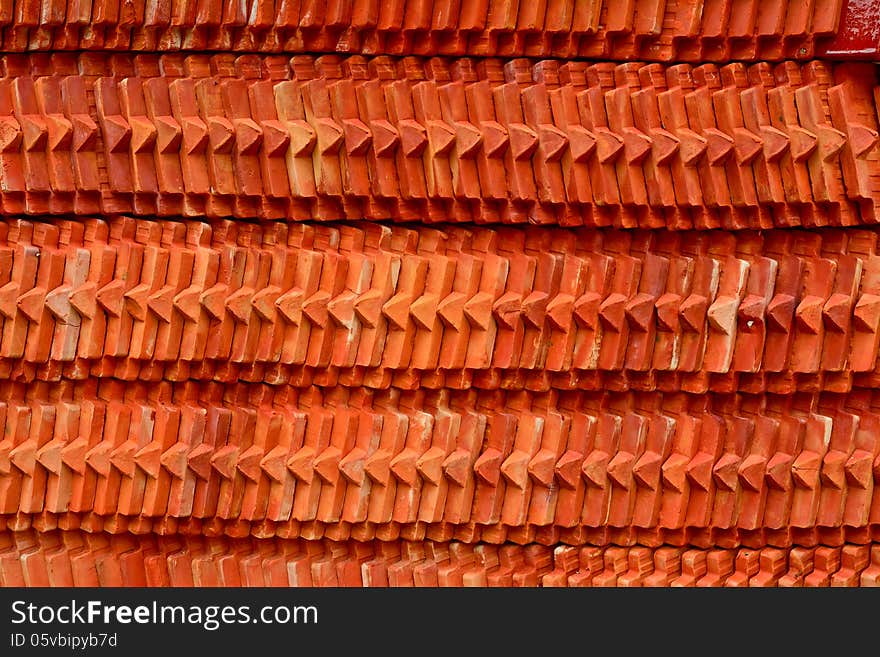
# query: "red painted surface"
(858, 35)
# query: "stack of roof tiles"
(428, 292)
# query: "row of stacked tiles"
(471, 533)
(627, 145)
(713, 30)
(364, 304)
(130, 455)
(76, 559)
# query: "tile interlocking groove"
(714, 30)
